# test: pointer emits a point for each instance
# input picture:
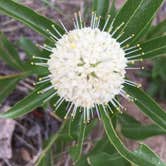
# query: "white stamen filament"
(106, 23)
(50, 97)
(127, 39)
(63, 26)
(56, 30)
(117, 29)
(88, 66)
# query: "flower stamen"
(88, 66)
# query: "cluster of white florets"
(87, 67)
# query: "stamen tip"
(127, 46)
(133, 62)
(139, 86)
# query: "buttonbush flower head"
(88, 66)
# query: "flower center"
(87, 67)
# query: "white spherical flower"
(87, 67)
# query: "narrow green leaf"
(154, 47)
(106, 159)
(35, 70)
(11, 57)
(29, 47)
(126, 12)
(133, 129)
(7, 84)
(139, 14)
(77, 150)
(157, 30)
(101, 7)
(9, 54)
(145, 153)
(112, 10)
(142, 156)
(148, 106)
(103, 145)
(145, 31)
(159, 69)
(29, 17)
(26, 105)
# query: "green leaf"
(112, 10)
(29, 17)
(159, 68)
(145, 153)
(35, 70)
(147, 105)
(101, 7)
(126, 12)
(153, 48)
(29, 47)
(103, 145)
(11, 57)
(133, 129)
(106, 159)
(26, 105)
(137, 14)
(9, 54)
(8, 84)
(77, 150)
(143, 156)
(157, 30)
